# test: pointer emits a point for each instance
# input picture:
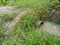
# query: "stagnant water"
(51, 28)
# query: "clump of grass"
(41, 12)
(1, 35)
(28, 20)
(6, 17)
(14, 41)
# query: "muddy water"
(51, 28)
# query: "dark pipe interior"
(59, 0)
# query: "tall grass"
(26, 3)
(34, 37)
(6, 17)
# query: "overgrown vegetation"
(27, 3)
(25, 31)
(6, 17)
(3, 19)
(28, 20)
(1, 35)
(23, 3)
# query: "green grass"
(25, 31)
(3, 19)
(28, 20)
(34, 37)
(26, 3)
(6, 17)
